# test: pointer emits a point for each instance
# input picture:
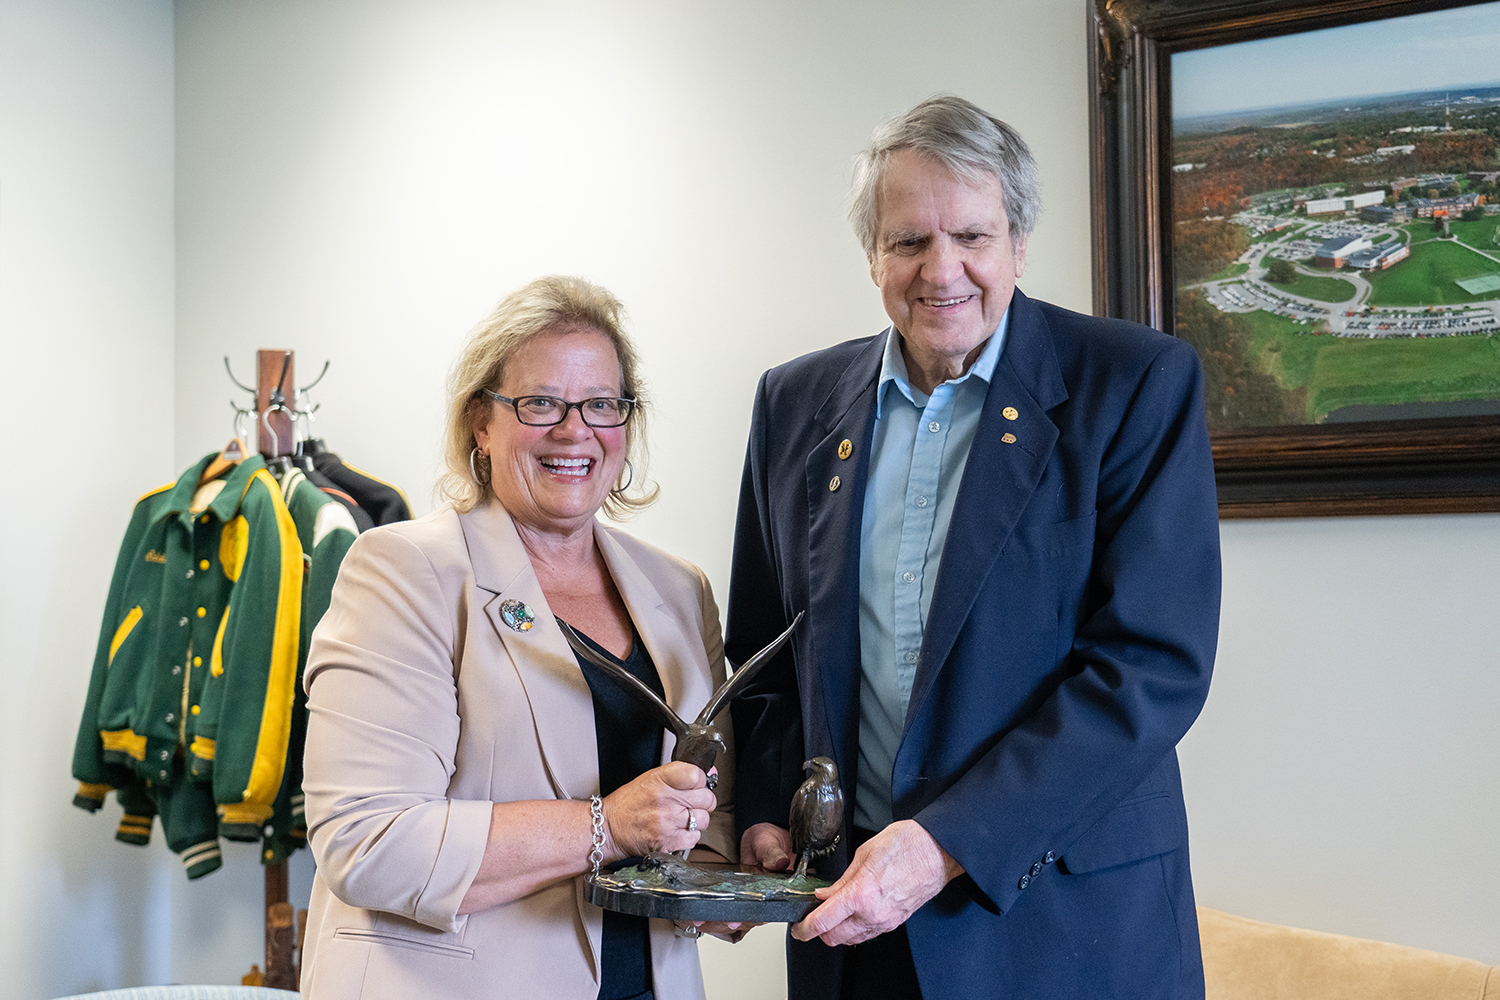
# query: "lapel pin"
(846, 448)
(1009, 413)
(833, 484)
(1008, 438)
(517, 615)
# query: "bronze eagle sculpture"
(698, 742)
(817, 813)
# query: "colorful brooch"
(517, 615)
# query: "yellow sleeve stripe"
(124, 741)
(276, 715)
(122, 632)
(203, 748)
(216, 658)
(95, 792)
(382, 482)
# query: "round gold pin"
(1009, 413)
(1008, 438)
(846, 448)
(833, 484)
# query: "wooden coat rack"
(275, 382)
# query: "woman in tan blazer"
(462, 764)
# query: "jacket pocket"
(380, 937)
(1135, 829)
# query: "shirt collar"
(893, 367)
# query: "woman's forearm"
(531, 845)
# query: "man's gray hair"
(969, 141)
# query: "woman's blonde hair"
(545, 303)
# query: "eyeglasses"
(546, 411)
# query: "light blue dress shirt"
(917, 458)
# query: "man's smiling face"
(945, 263)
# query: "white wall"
(86, 302)
(1345, 773)
(360, 181)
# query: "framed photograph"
(1309, 192)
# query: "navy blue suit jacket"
(1068, 649)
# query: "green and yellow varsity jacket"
(196, 666)
(326, 529)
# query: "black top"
(630, 741)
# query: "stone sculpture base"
(664, 885)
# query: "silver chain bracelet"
(596, 807)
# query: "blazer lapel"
(678, 655)
(562, 707)
(997, 483)
(835, 501)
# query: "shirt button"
(934, 427)
(197, 661)
(203, 564)
(202, 612)
(163, 775)
(195, 709)
(176, 670)
(165, 754)
(911, 657)
(189, 574)
(909, 577)
(1051, 857)
(181, 622)
(171, 717)
(921, 501)
(203, 519)
(1025, 881)
(1036, 869)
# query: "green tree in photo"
(1207, 246)
(1237, 395)
(1282, 272)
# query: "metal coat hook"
(235, 380)
(315, 381)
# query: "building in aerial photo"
(1337, 251)
(1345, 203)
(1379, 258)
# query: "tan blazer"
(425, 707)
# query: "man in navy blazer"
(1000, 516)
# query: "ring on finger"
(688, 932)
(692, 821)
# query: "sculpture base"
(664, 885)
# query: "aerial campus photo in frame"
(1336, 220)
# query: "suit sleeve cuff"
(457, 863)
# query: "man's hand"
(767, 846)
(889, 878)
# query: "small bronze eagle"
(699, 742)
(817, 813)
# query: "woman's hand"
(665, 809)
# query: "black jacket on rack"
(385, 503)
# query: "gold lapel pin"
(846, 448)
(833, 484)
(1009, 413)
(1008, 438)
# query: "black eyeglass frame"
(515, 404)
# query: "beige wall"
(360, 181)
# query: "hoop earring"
(475, 472)
(631, 469)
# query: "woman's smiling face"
(554, 479)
